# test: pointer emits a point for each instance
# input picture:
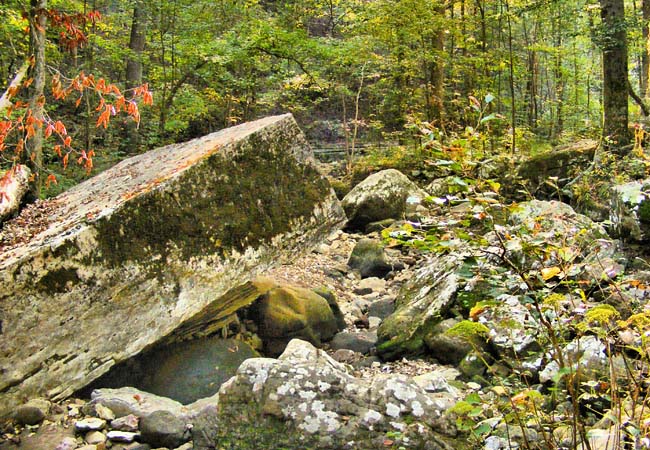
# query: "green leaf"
(488, 118)
(489, 98)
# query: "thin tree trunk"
(34, 145)
(134, 67)
(645, 54)
(513, 105)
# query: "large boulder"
(383, 195)
(151, 246)
(305, 399)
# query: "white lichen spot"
(416, 407)
(399, 426)
(392, 410)
(401, 391)
(307, 395)
(285, 389)
(323, 386)
(310, 424)
(372, 417)
(272, 396)
(302, 407)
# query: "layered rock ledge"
(124, 259)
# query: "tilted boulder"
(111, 266)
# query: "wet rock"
(382, 195)
(125, 258)
(104, 413)
(164, 429)
(369, 258)
(33, 412)
(361, 342)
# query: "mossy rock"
(287, 312)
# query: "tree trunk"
(645, 55)
(134, 67)
(34, 146)
(615, 80)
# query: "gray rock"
(104, 413)
(68, 443)
(382, 195)
(164, 429)
(369, 259)
(121, 436)
(630, 211)
(422, 302)
(381, 308)
(361, 342)
(325, 405)
(370, 285)
(95, 437)
(158, 240)
(446, 349)
(90, 424)
(33, 412)
(183, 371)
(126, 423)
(200, 416)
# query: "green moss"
(226, 203)
(58, 281)
(644, 211)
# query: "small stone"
(95, 437)
(361, 342)
(89, 424)
(127, 423)
(382, 308)
(163, 429)
(186, 446)
(373, 322)
(104, 412)
(67, 443)
(88, 447)
(73, 411)
(370, 285)
(33, 412)
(121, 436)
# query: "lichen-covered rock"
(420, 305)
(630, 211)
(325, 407)
(14, 184)
(382, 195)
(152, 245)
(287, 312)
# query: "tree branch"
(5, 101)
(637, 99)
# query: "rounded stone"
(163, 429)
(33, 412)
